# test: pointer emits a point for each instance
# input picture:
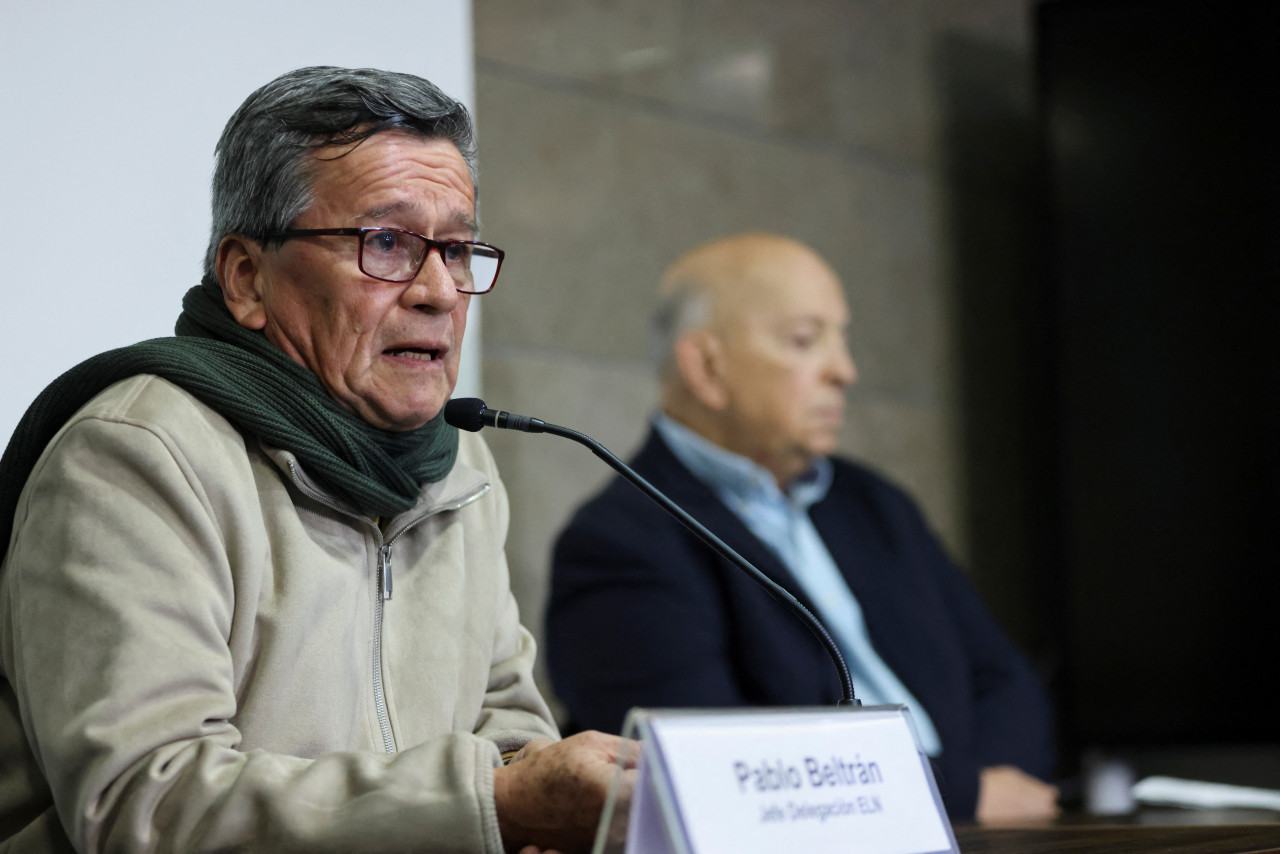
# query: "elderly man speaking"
(254, 595)
(755, 364)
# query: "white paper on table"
(1172, 791)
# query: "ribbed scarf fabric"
(251, 383)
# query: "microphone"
(470, 414)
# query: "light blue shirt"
(781, 520)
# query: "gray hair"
(682, 309)
(261, 178)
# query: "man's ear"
(699, 356)
(239, 270)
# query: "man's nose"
(843, 369)
(433, 287)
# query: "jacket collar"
(660, 466)
(461, 486)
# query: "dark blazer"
(642, 613)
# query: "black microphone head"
(465, 413)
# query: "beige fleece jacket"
(196, 651)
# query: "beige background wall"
(894, 136)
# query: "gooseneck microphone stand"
(470, 413)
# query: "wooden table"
(1121, 839)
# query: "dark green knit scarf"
(253, 384)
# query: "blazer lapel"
(657, 464)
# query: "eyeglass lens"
(397, 257)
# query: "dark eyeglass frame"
(440, 245)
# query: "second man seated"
(642, 613)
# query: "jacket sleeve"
(635, 617)
(128, 689)
(1012, 720)
(514, 711)
(1009, 720)
(1012, 715)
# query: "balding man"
(755, 363)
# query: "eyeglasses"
(396, 255)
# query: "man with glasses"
(255, 596)
(751, 339)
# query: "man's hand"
(1006, 794)
(550, 795)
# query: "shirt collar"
(725, 471)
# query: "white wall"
(110, 114)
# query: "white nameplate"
(783, 781)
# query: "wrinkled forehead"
(389, 170)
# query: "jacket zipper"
(384, 582)
(386, 549)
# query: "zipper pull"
(384, 566)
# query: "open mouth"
(415, 353)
